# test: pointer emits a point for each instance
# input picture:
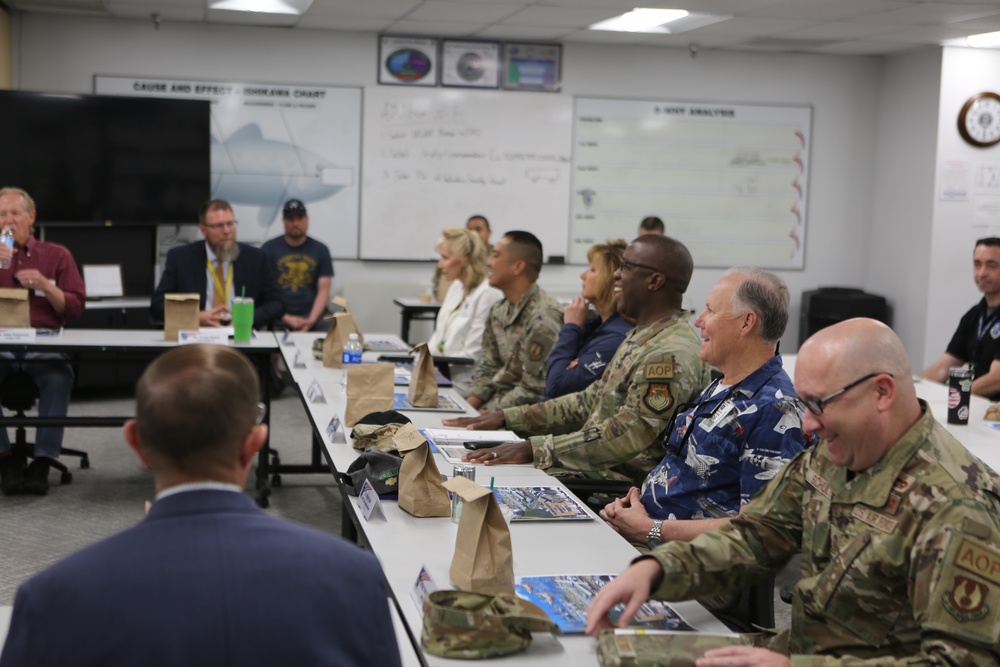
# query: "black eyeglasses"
(635, 265)
(815, 406)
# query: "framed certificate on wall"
(532, 67)
(470, 64)
(407, 61)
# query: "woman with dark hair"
(588, 341)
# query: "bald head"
(859, 374)
(859, 346)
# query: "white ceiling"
(848, 27)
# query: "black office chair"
(18, 393)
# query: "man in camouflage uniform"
(897, 523)
(609, 430)
(742, 429)
(520, 330)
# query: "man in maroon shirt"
(56, 296)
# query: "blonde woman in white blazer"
(458, 331)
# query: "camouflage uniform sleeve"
(482, 381)
(954, 582)
(743, 551)
(659, 384)
(540, 336)
(556, 415)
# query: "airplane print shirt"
(725, 446)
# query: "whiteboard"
(431, 158)
(730, 181)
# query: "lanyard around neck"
(219, 289)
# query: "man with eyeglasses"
(724, 446)
(897, 523)
(976, 341)
(207, 578)
(610, 429)
(217, 269)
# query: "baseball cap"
(294, 208)
(462, 624)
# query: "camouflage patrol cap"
(460, 624)
(375, 431)
(651, 648)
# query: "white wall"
(950, 290)
(902, 207)
(64, 53)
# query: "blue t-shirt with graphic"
(298, 270)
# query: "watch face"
(979, 120)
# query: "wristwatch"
(653, 536)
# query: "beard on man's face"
(228, 252)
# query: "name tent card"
(369, 502)
(213, 336)
(315, 393)
(18, 335)
(298, 362)
(333, 426)
(423, 586)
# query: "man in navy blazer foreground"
(218, 269)
(207, 578)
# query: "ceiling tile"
(344, 23)
(935, 13)
(826, 10)
(753, 27)
(559, 16)
(458, 12)
(145, 10)
(389, 9)
(434, 28)
(842, 31)
(524, 32)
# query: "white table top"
(404, 543)
(128, 339)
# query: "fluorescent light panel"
(641, 20)
(984, 40)
(262, 6)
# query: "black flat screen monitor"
(94, 159)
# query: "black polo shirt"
(977, 339)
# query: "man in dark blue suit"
(219, 269)
(207, 578)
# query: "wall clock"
(979, 120)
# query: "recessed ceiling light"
(641, 20)
(984, 40)
(262, 6)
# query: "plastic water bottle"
(350, 355)
(7, 238)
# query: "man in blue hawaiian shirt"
(722, 448)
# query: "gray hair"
(765, 294)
